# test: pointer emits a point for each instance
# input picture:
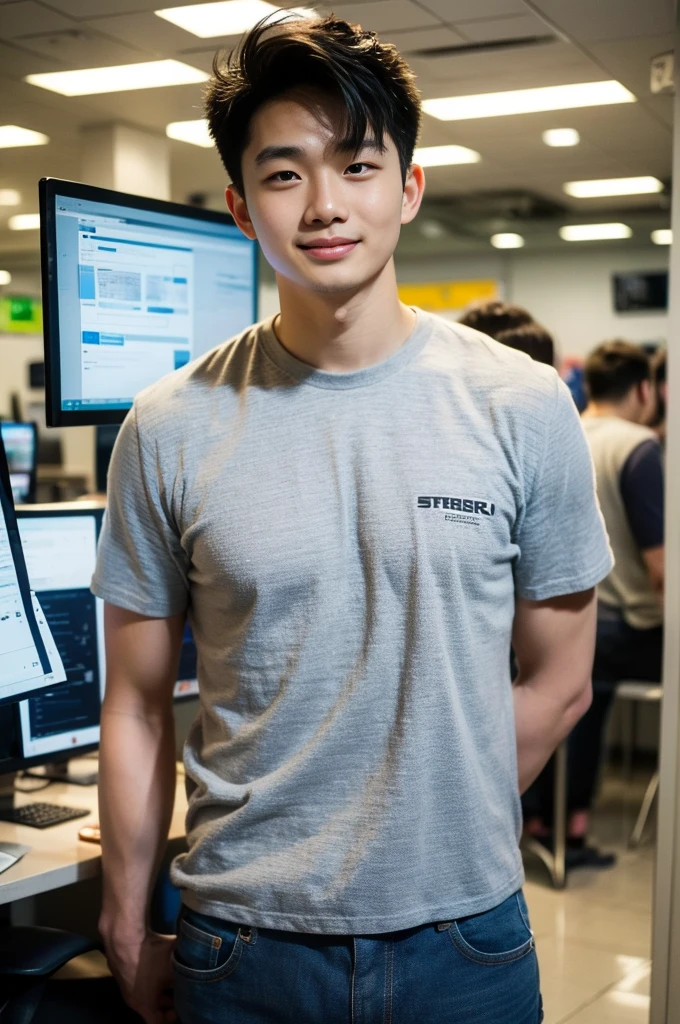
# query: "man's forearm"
(542, 720)
(136, 796)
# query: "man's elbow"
(580, 702)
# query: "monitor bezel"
(34, 468)
(65, 508)
(48, 189)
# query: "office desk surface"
(57, 856)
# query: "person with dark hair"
(531, 338)
(629, 475)
(494, 316)
(657, 417)
(357, 504)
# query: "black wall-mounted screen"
(643, 292)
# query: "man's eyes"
(283, 176)
(354, 170)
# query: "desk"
(57, 856)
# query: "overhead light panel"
(9, 197)
(441, 156)
(229, 18)
(5, 277)
(194, 132)
(12, 135)
(528, 101)
(559, 137)
(151, 74)
(662, 236)
(613, 187)
(24, 222)
(507, 240)
(594, 232)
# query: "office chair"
(29, 956)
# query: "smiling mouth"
(329, 250)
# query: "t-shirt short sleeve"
(562, 540)
(641, 484)
(140, 563)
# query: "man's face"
(326, 219)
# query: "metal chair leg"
(646, 807)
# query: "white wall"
(570, 292)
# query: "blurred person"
(531, 338)
(629, 474)
(659, 405)
(494, 316)
(353, 504)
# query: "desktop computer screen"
(133, 289)
(60, 546)
(21, 447)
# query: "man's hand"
(143, 969)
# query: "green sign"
(20, 314)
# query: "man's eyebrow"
(278, 153)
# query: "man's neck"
(608, 409)
(343, 332)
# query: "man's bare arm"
(554, 643)
(136, 795)
(654, 563)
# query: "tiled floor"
(593, 939)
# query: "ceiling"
(489, 46)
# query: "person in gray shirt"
(358, 505)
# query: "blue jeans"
(477, 970)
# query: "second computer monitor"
(21, 445)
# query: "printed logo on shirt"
(461, 510)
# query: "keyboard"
(41, 815)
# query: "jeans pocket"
(498, 936)
(208, 949)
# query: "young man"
(629, 474)
(357, 504)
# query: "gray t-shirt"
(348, 548)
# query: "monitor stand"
(60, 773)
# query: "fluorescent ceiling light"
(229, 18)
(613, 187)
(9, 197)
(561, 137)
(528, 101)
(24, 222)
(150, 75)
(439, 156)
(594, 232)
(12, 135)
(5, 277)
(662, 236)
(507, 240)
(195, 132)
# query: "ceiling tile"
(87, 9)
(385, 15)
(145, 28)
(607, 20)
(422, 39)
(461, 10)
(21, 18)
(491, 29)
(80, 47)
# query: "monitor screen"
(134, 288)
(643, 292)
(21, 443)
(60, 545)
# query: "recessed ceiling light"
(9, 197)
(613, 187)
(5, 277)
(195, 132)
(229, 18)
(528, 101)
(440, 156)
(662, 236)
(507, 240)
(24, 222)
(12, 135)
(594, 232)
(561, 137)
(150, 75)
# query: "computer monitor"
(21, 447)
(60, 545)
(133, 288)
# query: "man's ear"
(414, 187)
(239, 211)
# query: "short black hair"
(614, 368)
(530, 338)
(372, 80)
(659, 360)
(495, 316)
